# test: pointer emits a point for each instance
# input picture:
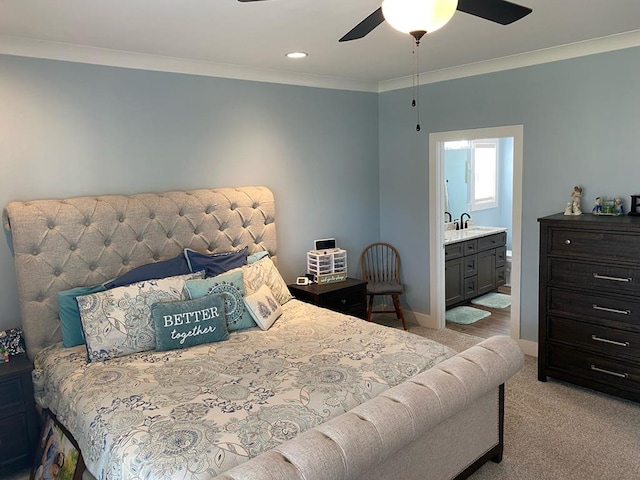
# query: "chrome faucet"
(464, 223)
(445, 216)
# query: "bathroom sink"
(475, 231)
(482, 229)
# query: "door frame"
(436, 217)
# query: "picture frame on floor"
(57, 454)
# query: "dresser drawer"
(11, 396)
(604, 278)
(453, 250)
(600, 244)
(604, 340)
(601, 309)
(501, 256)
(14, 441)
(501, 276)
(470, 264)
(592, 367)
(343, 298)
(471, 287)
(471, 247)
(492, 241)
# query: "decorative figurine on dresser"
(589, 302)
(573, 207)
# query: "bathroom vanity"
(475, 262)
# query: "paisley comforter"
(194, 413)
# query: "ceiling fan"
(499, 11)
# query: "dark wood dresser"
(18, 419)
(349, 297)
(589, 302)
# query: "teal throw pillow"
(254, 257)
(189, 322)
(70, 315)
(230, 285)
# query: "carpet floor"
(558, 431)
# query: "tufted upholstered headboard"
(64, 243)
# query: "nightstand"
(349, 297)
(18, 419)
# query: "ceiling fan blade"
(499, 11)
(365, 26)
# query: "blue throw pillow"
(231, 286)
(254, 257)
(70, 315)
(151, 271)
(217, 263)
(189, 322)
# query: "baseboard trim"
(528, 347)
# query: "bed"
(318, 395)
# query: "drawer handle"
(613, 342)
(615, 279)
(567, 242)
(609, 372)
(612, 310)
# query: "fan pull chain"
(417, 85)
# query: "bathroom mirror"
(478, 177)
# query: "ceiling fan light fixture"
(418, 15)
(297, 55)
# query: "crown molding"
(24, 47)
(547, 55)
(19, 46)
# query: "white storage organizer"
(325, 262)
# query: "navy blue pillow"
(151, 271)
(217, 263)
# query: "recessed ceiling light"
(297, 55)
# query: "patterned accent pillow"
(118, 322)
(189, 322)
(230, 285)
(264, 272)
(263, 307)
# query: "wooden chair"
(380, 264)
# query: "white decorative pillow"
(264, 272)
(263, 307)
(118, 322)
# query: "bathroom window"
(483, 174)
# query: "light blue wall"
(70, 129)
(581, 121)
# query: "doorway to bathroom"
(464, 154)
